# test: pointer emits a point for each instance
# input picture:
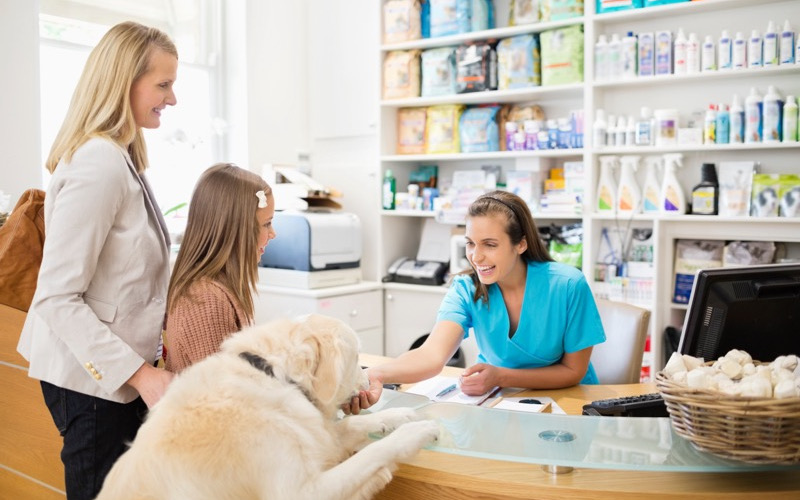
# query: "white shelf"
(649, 81)
(489, 155)
(497, 33)
(679, 219)
(570, 91)
(693, 148)
(663, 11)
(408, 213)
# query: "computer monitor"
(755, 309)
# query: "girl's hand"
(479, 379)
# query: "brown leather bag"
(21, 244)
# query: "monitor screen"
(755, 309)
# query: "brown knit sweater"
(200, 321)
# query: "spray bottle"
(673, 200)
(652, 189)
(606, 199)
(629, 196)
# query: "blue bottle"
(723, 124)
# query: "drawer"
(361, 311)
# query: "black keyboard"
(645, 405)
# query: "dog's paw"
(416, 435)
(392, 418)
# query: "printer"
(313, 249)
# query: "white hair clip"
(262, 199)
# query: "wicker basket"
(754, 430)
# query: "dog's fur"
(227, 430)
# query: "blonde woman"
(215, 274)
(92, 333)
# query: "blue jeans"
(95, 431)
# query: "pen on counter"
(448, 390)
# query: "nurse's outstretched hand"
(479, 378)
(365, 398)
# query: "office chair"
(618, 360)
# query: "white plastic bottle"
(692, 54)
(600, 129)
(723, 128)
(611, 131)
(651, 191)
(786, 51)
(614, 58)
(739, 52)
(601, 59)
(645, 128)
(754, 50)
(708, 55)
(770, 56)
(725, 45)
(737, 120)
(630, 56)
(679, 53)
(710, 125)
(629, 195)
(606, 199)
(790, 117)
(620, 131)
(673, 200)
(772, 109)
(753, 106)
(630, 132)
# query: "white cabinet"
(359, 305)
(400, 231)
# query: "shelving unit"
(400, 231)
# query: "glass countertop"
(621, 443)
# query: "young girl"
(215, 274)
(535, 321)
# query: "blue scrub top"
(558, 315)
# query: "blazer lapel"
(150, 202)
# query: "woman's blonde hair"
(519, 225)
(101, 103)
(221, 238)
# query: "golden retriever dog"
(258, 420)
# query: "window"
(191, 136)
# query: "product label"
(703, 200)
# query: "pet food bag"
(438, 71)
(518, 63)
(735, 187)
(789, 194)
(764, 201)
(401, 21)
(690, 257)
(556, 10)
(476, 68)
(401, 74)
(748, 253)
(410, 131)
(449, 17)
(478, 129)
(562, 55)
(441, 128)
(524, 12)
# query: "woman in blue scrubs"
(535, 321)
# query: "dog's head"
(318, 353)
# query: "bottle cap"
(388, 172)
(708, 173)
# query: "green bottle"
(389, 190)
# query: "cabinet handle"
(389, 296)
(354, 312)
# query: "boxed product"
(615, 5)
(690, 257)
(663, 52)
(518, 62)
(410, 131)
(438, 71)
(476, 67)
(401, 74)
(562, 55)
(401, 21)
(647, 56)
(652, 3)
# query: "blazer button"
(88, 365)
(97, 376)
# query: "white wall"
(20, 157)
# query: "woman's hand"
(366, 398)
(151, 383)
(479, 379)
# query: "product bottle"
(772, 116)
(790, 120)
(601, 59)
(739, 51)
(693, 54)
(753, 106)
(614, 58)
(754, 50)
(607, 187)
(705, 196)
(599, 129)
(724, 59)
(737, 121)
(723, 124)
(629, 196)
(787, 54)
(708, 55)
(622, 125)
(710, 125)
(651, 190)
(611, 131)
(630, 53)
(389, 190)
(679, 49)
(673, 201)
(770, 57)
(644, 128)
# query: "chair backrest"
(618, 360)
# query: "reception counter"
(501, 454)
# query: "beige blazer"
(98, 309)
